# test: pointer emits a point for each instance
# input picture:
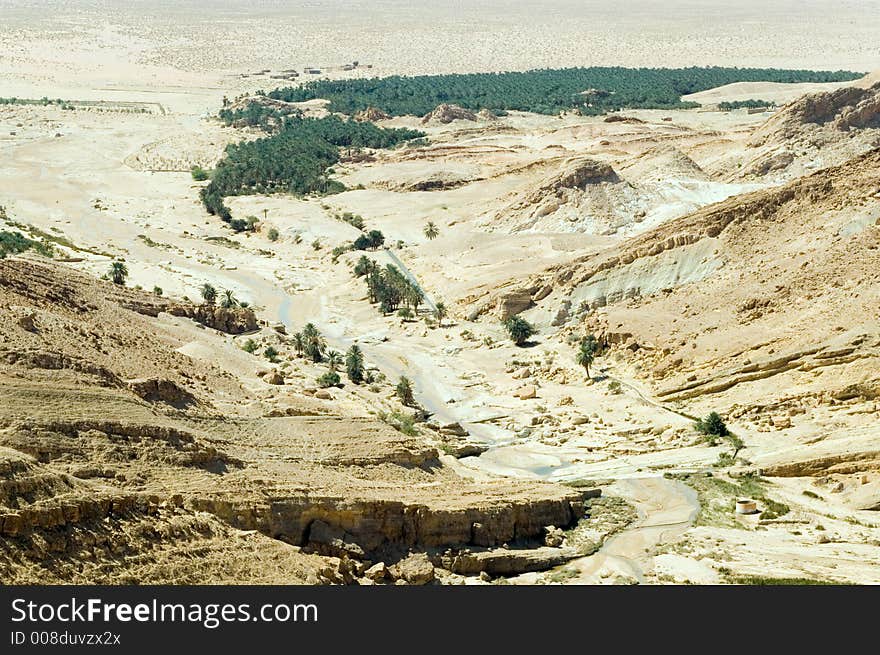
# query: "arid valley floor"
(728, 261)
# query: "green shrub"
(712, 426)
(329, 379)
(199, 174)
(519, 329)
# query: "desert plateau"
(404, 294)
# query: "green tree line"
(593, 90)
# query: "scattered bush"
(199, 174)
(519, 330)
(329, 379)
(271, 354)
(712, 426)
(404, 392)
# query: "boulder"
(377, 572)
(28, 322)
(513, 303)
(454, 429)
(416, 569)
(554, 536)
(323, 394)
(274, 377)
(332, 541)
(522, 373)
(527, 392)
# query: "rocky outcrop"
(378, 526)
(617, 118)
(371, 115)
(436, 181)
(447, 113)
(842, 109)
(504, 561)
(513, 303)
(582, 195)
(235, 320)
(161, 390)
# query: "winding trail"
(666, 509)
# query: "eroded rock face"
(161, 390)
(380, 525)
(502, 561)
(236, 320)
(513, 303)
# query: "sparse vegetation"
(228, 299)
(519, 329)
(354, 364)
(118, 273)
(712, 426)
(404, 392)
(313, 343)
(718, 498)
(760, 580)
(249, 346)
(14, 243)
(329, 379)
(157, 291)
(431, 231)
(587, 351)
(404, 423)
(199, 174)
(209, 293)
(271, 353)
(614, 387)
(272, 234)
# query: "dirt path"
(666, 509)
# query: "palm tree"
(118, 273)
(354, 364)
(412, 294)
(587, 352)
(209, 294)
(299, 343)
(431, 231)
(314, 343)
(228, 301)
(440, 312)
(404, 392)
(519, 329)
(334, 359)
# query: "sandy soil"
(114, 181)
